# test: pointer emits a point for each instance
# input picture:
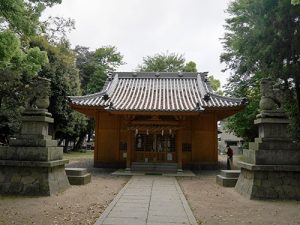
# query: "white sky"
(140, 28)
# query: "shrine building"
(156, 118)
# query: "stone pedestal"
(33, 164)
(271, 166)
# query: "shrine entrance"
(155, 147)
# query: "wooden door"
(155, 148)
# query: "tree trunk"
(60, 141)
(79, 142)
(67, 140)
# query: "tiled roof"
(186, 92)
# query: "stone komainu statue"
(38, 94)
(271, 98)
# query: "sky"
(140, 28)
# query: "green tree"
(64, 76)
(262, 40)
(215, 84)
(166, 62)
(19, 21)
(95, 65)
(190, 67)
(57, 28)
(19, 62)
(93, 68)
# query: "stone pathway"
(148, 200)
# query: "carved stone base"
(272, 114)
(272, 157)
(269, 181)
(32, 178)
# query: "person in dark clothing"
(229, 157)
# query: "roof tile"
(156, 92)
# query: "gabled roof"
(160, 92)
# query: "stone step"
(76, 171)
(157, 167)
(80, 180)
(225, 181)
(230, 173)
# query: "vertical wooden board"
(204, 122)
(179, 148)
(186, 158)
(203, 147)
(117, 141)
(96, 142)
(203, 138)
(108, 145)
(215, 137)
(187, 136)
(108, 121)
(187, 123)
(108, 137)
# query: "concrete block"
(225, 181)
(80, 180)
(230, 173)
(75, 171)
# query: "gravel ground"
(214, 205)
(77, 205)
(211, 203)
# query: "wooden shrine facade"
(157, 118)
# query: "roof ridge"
(159, 74)
(107, 87)
(225, 97)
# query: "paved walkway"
(148, 200)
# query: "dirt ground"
(77, 205)
(214, 205)
(82, 205)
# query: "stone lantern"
(33, 163)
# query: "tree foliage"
(29, 48)
(215, 84)
(57, 28)
(262, 39)
(94, 65)
(64, 76)
(19, 21)
(190, 67)
(166, 62)
(19, 62)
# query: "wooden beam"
(155, 113)
(129, 150)
(154, 122)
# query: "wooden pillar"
(96, 141)
(129, 150)
(179, 150)
(216, 151)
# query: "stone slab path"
(148, 200)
